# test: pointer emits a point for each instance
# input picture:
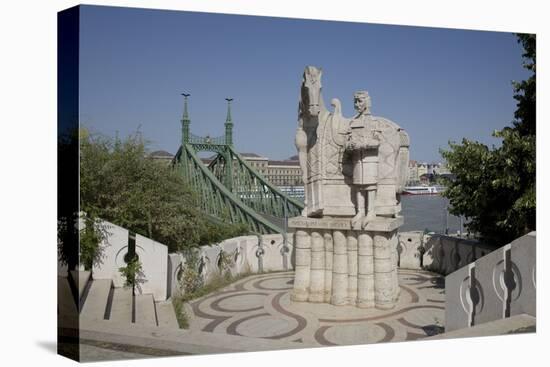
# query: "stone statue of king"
(363, 141)
(354, 170)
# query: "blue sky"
(438, 84)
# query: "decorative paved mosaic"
(260, 307)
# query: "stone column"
(352, 267)
(339, 269)
(317, 278)
(394, 242)
(383, 271)
(339, 265)
(328, 265)
(303, 266)
(365, 276)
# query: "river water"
(427, 212)
(420, 212)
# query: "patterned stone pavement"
(259, 306)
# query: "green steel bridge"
(229, 189)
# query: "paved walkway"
(260, 307)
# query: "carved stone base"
(342, 266)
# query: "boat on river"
(423, 190)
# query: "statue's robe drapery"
(328, 186)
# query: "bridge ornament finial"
(228, 124)
(353, 170)
(185, 121)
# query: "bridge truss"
(228, 188)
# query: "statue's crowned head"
(361, 101)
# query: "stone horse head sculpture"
(311, 102)
(326, 170)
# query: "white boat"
(423, 190)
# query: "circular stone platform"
(259, 306)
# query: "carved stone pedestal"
(341, 266)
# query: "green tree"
(91, 235)
(120, 184)
(495, 188)
(133, 274)
(525, 115)
(217, 232)
(67, 204)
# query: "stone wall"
(113, 248)
(152, 255)
(415, 250)
(495, 286)
(410, 249)
(176, 263)
(253, 254)
(246, 254)
(438, 253)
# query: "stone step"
(96, 300)
(65, 300)
(166, 315)
(511, 325)
(179, 340)
(81, 278)
(121, 308)
(145, 310)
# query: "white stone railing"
(496, 286)
(438, 253)
(247, 254)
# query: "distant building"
(422, 168)
(259, 163)
(285, 173)
(441, 169)
(280, 173)
(413, 172)
(422, 171)
(161, 156)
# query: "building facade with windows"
(259, 163)
(161, 156)
(284, 173)
(418, 171)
